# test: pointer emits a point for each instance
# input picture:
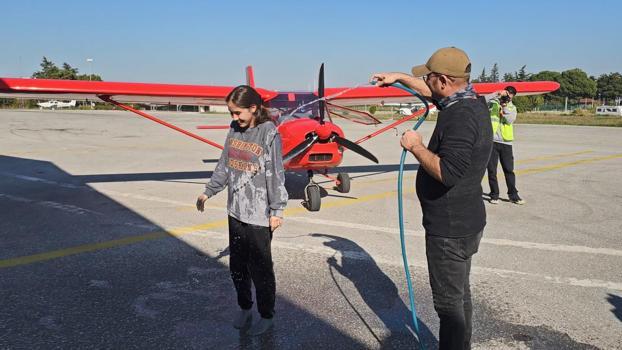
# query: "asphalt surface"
(101, 247)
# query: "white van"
(609, 110)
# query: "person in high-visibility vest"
(502, 114)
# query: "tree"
(522, 74)
(494, 74)
(609, 86)
(508, 77)
(482, 77)
(575, 84)
(49, 70)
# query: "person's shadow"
(616, 301)
(379, 293)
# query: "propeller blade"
(300, 148)
(320, 92)
(354, 147)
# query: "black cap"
(511, 90)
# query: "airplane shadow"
(616, 301)
(379, 293)
(80, 269)
(205, 175)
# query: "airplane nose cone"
(323, 131)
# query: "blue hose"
(411, 292)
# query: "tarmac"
(101, 246)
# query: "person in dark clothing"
(502, 115)
(449, 184)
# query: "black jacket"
(462, 139)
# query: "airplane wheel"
(314, 200)
(344, 183)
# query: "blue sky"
(210, 42)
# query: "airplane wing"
(368, 95)
(176, 94)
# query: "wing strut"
(160, 121)
(392, 125)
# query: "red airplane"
(310, 142)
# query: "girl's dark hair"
(245, 96)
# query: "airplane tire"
(344, 182)
(314, 200)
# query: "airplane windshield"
(294, 105)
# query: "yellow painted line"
(566, 164)
(554, 156)
(29, 259)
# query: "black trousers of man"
(250, 262)
(449, 265)
(502, 152)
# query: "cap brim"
(420, 70)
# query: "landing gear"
(343, 183)
(313, 198)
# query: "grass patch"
(539, 118)
(568, 119)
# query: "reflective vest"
(507, 130)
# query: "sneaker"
(494, 201)
(242, 318)
(518, 201)
(261, 326)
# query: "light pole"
(90, 60)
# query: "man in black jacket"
(449, 184)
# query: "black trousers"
(503, 153)
(449, 265)
(250, 262)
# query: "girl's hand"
(201, 202)
(275, 222)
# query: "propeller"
(354, 147)
(320, 94)
(301, 147)
(313, 137)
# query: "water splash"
(325, 98)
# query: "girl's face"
(244, 116)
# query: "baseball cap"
(449, 61)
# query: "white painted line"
(364, 256)
(492, 241)
(49, 204)
(107, 192)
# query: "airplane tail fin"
(250, 76)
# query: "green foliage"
(494, 74)
(528, 103)
(609, 86)
(575, 84)
(482, 77)
(49, 70)
(373, 109)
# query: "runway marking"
(176, 232)
(567, 164)
(554, 156)
(364, 256)
(29, 259)
(491, 241)
(49, 204)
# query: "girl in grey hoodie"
(251, 166)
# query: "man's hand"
(385, 79)
(201, 202)
(411, 141)
(275, 222)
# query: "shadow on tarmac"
(616, 301)
(379, 293)
(152, 290)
